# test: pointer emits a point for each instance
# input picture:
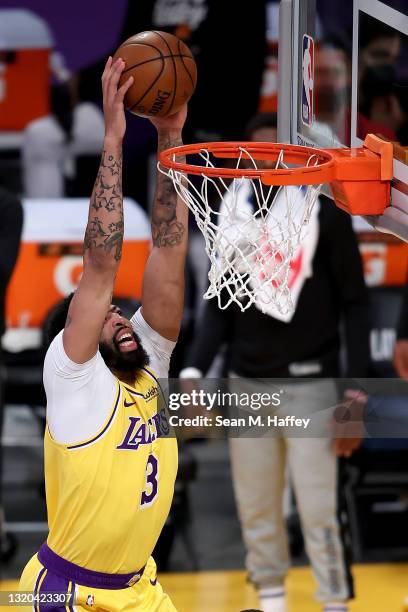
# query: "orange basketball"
(164, 73)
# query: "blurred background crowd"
(51, 133)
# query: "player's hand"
(348, 423)
(171, 122)
(115, 122)
(401, 358)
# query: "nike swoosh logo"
(127, 404)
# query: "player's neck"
(126, 377)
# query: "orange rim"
(360, 178)
(321, 168)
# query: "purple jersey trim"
(133, 392)
(150, 374)
(85, 577)
(53, 584)
(40, 575)
(100, 434)
(73, 595)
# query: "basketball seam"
(153, 59)
(151, 86)
(160, 54)
(143, 44)
(174, 67)
(185, 67)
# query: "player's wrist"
(169, 132)
(112, 141)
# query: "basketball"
(164, 73)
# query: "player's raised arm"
(163, 282)
(104, 230)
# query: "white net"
(252, 231)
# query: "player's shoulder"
(56, 360)
(56, 346)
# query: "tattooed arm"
(104, 230)
(163, 282)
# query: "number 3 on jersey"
(150, 492)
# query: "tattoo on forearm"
(105, 222)
(167, 230)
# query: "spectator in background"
(52, 144)
(380, 105)
(380, 43)
(11, 223)
(401, 346)
(333, 87)
(327, 289)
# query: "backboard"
(349, 61)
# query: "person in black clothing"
(328, 291)
(11, 223)
(401, 354)
(401, 346)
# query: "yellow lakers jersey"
(108, 497)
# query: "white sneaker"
(272, 599)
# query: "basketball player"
(302, 350)
(110, 464)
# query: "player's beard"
(126, 362)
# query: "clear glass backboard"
(348, 68)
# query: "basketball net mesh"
(251, 231)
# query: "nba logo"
(307, 80)
(90, 600)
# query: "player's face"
(120, 347)
(118, 331)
